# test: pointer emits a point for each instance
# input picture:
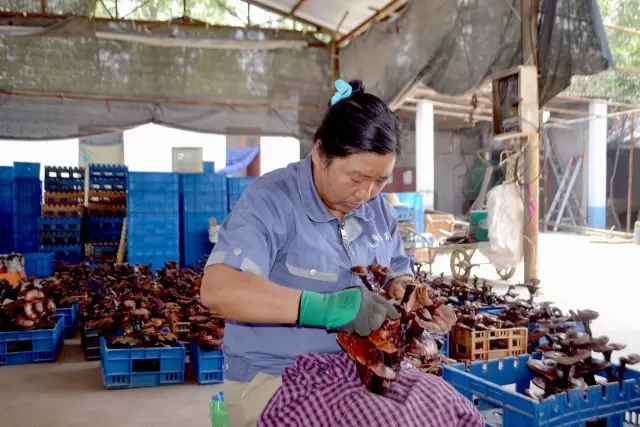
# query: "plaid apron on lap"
(325, 390)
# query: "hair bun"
(357, 86)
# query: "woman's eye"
(355, 180)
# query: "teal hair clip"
(343, 91)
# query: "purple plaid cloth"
(325, 390)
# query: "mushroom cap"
(600, 341)
(631, 359)
(568, 360)
(544, 369)
(587, 315)
(617, 346)
(540, 382)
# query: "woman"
(280, 270)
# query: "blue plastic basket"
(38, 264)
(141, 367)
(21, 348)
(207, 365)
(70, 316)
(503, 407)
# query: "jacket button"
(236, 251)
(313, 272)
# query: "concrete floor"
(575, 273)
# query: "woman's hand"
(396, 287)
(352, 310)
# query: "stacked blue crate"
(153, 218)
(202, 197)
(60, 227)
(236, 186)
(26, 194)
(106, 210)
(6, 210)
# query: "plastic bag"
(505, 223)
(213, 233)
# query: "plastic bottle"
(218, 412)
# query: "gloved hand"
(353, 310)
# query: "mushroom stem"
(564, 380)
(620, 374)
(587, 327)
(590, 376)
(609, 369)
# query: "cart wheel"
(460, 264)
(506, 273)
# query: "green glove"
(353, 310)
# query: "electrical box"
(515, 102)
(187, 160)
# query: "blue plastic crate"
(203, 202)
(6, 206)
(485, 381)
(60, 237)
(63, 184)
(207, 365)
(161, 224)
(153, 203)
(68, 253)
(26, 170)
(155, 261)
(157, 245)
(26, 189)
(6, 174)
(239, 184)
(21, 348)
(108, 183)
(141, 367)
(108, 171)
(70, 316)
(194, 247)
(203, 183)
(444, 350)
(63, 173)
(209, 167)
(38, 264)
(193, 222)
(6, 190)
(153, 182)
(60, 224)
(6, 221)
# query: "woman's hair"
(361, 123)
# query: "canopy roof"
(66, 73)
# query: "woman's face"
(346, 183)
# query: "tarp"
(238, 159)
(266, 88)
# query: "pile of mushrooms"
(459, 292)
(25, 307)
(131, 307)
(568, 363)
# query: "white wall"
(278, 152)
(147, 148)
(55, 153)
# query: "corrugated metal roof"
(329, 13)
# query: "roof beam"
(287, 14)
(19, 19)
(390, 8)
(296, 7)
(145, 100)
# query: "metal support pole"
(632, 148)
(335, 63)
(529, 35)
